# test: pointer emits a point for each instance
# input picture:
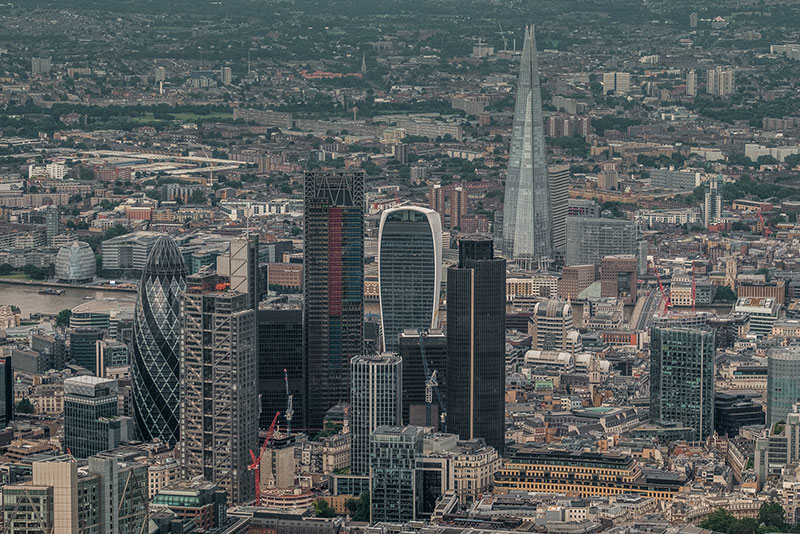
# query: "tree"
(739, 226)
(323, 509)
(62, 319)
(359, 508)
(724, 293)
(719, 521)
(773, 516)
(198, 197)
(24, 406)
(6, 269)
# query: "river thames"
(29, 301)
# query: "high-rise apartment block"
(617, 82)
(91, 421)
(589, 240)
(333, 287)
(219, 386)
(376, 386)
(559, 197)
(40, 66)
(156, 343)
(395, 484)
(409, 271)
(682, 378)
(720, 81)
(712, 205)
(691, 83)
(476, 290)
(160, 74)
(527, 210)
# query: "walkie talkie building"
(156, 343)
(527, 210)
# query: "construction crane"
(763, 224)
(256, 465)
(289, 407)
(664, 296)
(503, 36)
(431, 385)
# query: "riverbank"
(45, 283)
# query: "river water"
(29, 301)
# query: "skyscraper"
(783, 382)
(156, 344)
(476, 299)
(409, 271)
(395, 484)
(527, 216)
(280, 350)
(559, 197)
(218, 386)
(682, 378)
(240, 266)
(82, 347)
(691, 83)
(712, 207)
(91, 424)
(6, 392)
(333, 288)
(411, 348)
(589, 239)
(375, 399)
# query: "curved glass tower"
(527, 211)
(156, 343)
(409, 271)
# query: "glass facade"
(409, 271)
(89, 405)
(156, 346)
(783, 382)
(333, 286)
(28, 510)
(75, 263)
(527, 210)
(682, 378)
(396, 486)
(476, 343)
(6, 392)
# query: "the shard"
(527, 213)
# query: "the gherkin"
(527, 213)
(156, 343)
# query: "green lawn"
(148, 117)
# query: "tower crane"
(763, 224)
(664, 296)
(256, 465)
(503, 36)
(431, 385)
(289, 404)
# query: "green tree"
(323, 509)
(719, 521)
(359, 508)
(24, 406)
(6, 269)
(198, 197)
(773, 516)
(62, 319)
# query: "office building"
(783, 382)
(618, 275)
(691, 83)
(559, 197)
(127, 254)
(581, 207)
(75, 263)
(675, 180)
(682, 378)
(575, 279)
(83, 347)
(218, 368)
(527, 210)
(395, 484)
(732, 412)
(432, 345)
(476, 343)
(6, 392)
(240, 267)
(123, 497)
(712, 205)
(581, 473)
(281, 363)
(40, 66)
(91, 420)
(376, 387)
(409, 271)
(110, 353)
(763, 312)
(551, 327)
(157, 342)
(720, 81)
(589, 240)
(200, 501)
(52, 217)
(333, 289)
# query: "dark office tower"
(6, 392)
(527, 209)
(82, 347)
(218, 387)
(411, 348)
(156, 343)
(476, 300)
(409, 271)
(682, 378)
(333, 288)
(280, 348)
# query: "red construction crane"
(256, 465)
(661, 286)
(766, 228)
